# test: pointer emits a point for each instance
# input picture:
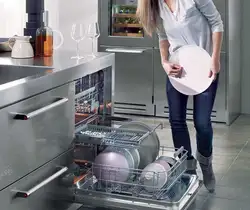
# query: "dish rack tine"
(159, 125)
(178, 152)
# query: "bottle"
(44, 38)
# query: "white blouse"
(192, 23)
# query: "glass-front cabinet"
(120, 26)
(124, 21)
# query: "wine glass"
(93, 33)
(78, 33)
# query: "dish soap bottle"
(44, 38)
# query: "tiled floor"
(231, 164)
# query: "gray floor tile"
(240, 194)
(240, 165)
(226, 161)
(235, 180)
(224, 204)
(198, 203)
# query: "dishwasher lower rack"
(108, 177)
(182, 195)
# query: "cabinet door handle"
(26, 194)
(125, 50)
(27, 116)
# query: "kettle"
(21, 47)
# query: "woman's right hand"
(171, 69)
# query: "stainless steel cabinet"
(133, 80)
(160, 97)
(27, 138)
(44, 187)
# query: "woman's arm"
(170, 69)
(163, 42)
(164, 50)
(217, 42)
(209, 10)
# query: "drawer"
(44, 188)
(34, 131)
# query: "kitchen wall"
(245, 87)
(12, 16)
(62, 14)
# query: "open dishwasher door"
(178, 194)
(181, 197)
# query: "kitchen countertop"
(23, 78)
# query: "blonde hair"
(148, 14)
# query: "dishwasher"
(104, 189)
(178, 193)
(102, 186)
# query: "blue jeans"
(203, 105)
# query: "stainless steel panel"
(31, 141)
(221, 100)
(51, 196)
(105, 20)
(160, 99)
(64, 70)
(234, 61)
(133, 81)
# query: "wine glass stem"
(92, 46)
(77, 49)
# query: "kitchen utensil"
(114, 164)
(155, 175)
(149, 147)
(4, 45)
(22, 47)
(78, 34)
(93, 33)
(196, 64)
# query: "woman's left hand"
(215, 68)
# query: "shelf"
(125, 15)
(128, 34)
(129, 25)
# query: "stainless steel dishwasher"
(93, 135)
(177, 194)
(100, 130)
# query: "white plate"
(196, 64)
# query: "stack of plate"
(155, 175)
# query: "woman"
(179, 23)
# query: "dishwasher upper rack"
(134, 186)
(117, 137)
